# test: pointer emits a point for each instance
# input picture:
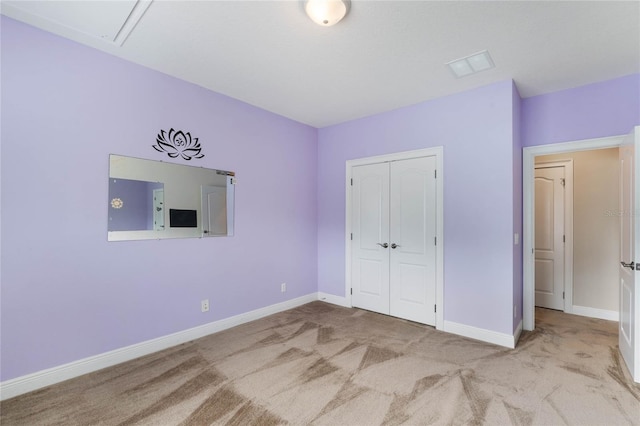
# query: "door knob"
(394, 245)
(385, 245)
(628, 265)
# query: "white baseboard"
(585, 311)
(40, 379)
(336, 300)
(489, 336)
(517, 333)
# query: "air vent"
(471, 64)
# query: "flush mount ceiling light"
(471, 64)
(327, 12)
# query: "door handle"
(385, 245)
(394, 245)
(628, 265)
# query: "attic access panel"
(110, 21)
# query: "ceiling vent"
(111, 21)
(471, 64)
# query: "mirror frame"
(183, 190)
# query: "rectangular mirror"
(155, 200)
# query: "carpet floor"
(326, 365)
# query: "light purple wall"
(602, 109)
(606, 108)
(67, 293)
(517, 207)
(476, 130)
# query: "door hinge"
(562, 181)
(352, 291)
(435, 308)
(435, 241)
(564, 238)
(351, 182)
(352, 236)
(563, 295)
(435, 174)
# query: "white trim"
(333, 299)
(517, 333)
(40, 379)
(347, 234)
(528, 164)
(604, 314)
(568, 228)
(405, 155)
(489, 336)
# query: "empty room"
(319, 212)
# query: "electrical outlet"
(204, 305)
(283, 287)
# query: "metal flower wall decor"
(117, 203)
(178, 143)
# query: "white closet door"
(370, 228)
(412, 240)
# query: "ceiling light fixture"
(471, 64)
(327, 12)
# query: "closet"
(393, 238)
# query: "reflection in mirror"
(135, 205)
(214, 212)
(156, 200)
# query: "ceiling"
(382, 56)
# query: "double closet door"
(393, 253)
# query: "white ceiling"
(383, 55)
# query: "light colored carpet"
(323, 364)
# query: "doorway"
(158, 209)
(529, 156)
(214, 210)
(576, 267)
(394, 255)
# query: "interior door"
(412, 239)
(628, 335)
(158, 209)
(370, 234)
(214, 210)
(549, 237)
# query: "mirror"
(144, 205)
(156, 200)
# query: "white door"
(629, 335)
(158, 209)
(412, 240)
(370, 229)
(214, 211)
(393, 262)
(549, 236)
